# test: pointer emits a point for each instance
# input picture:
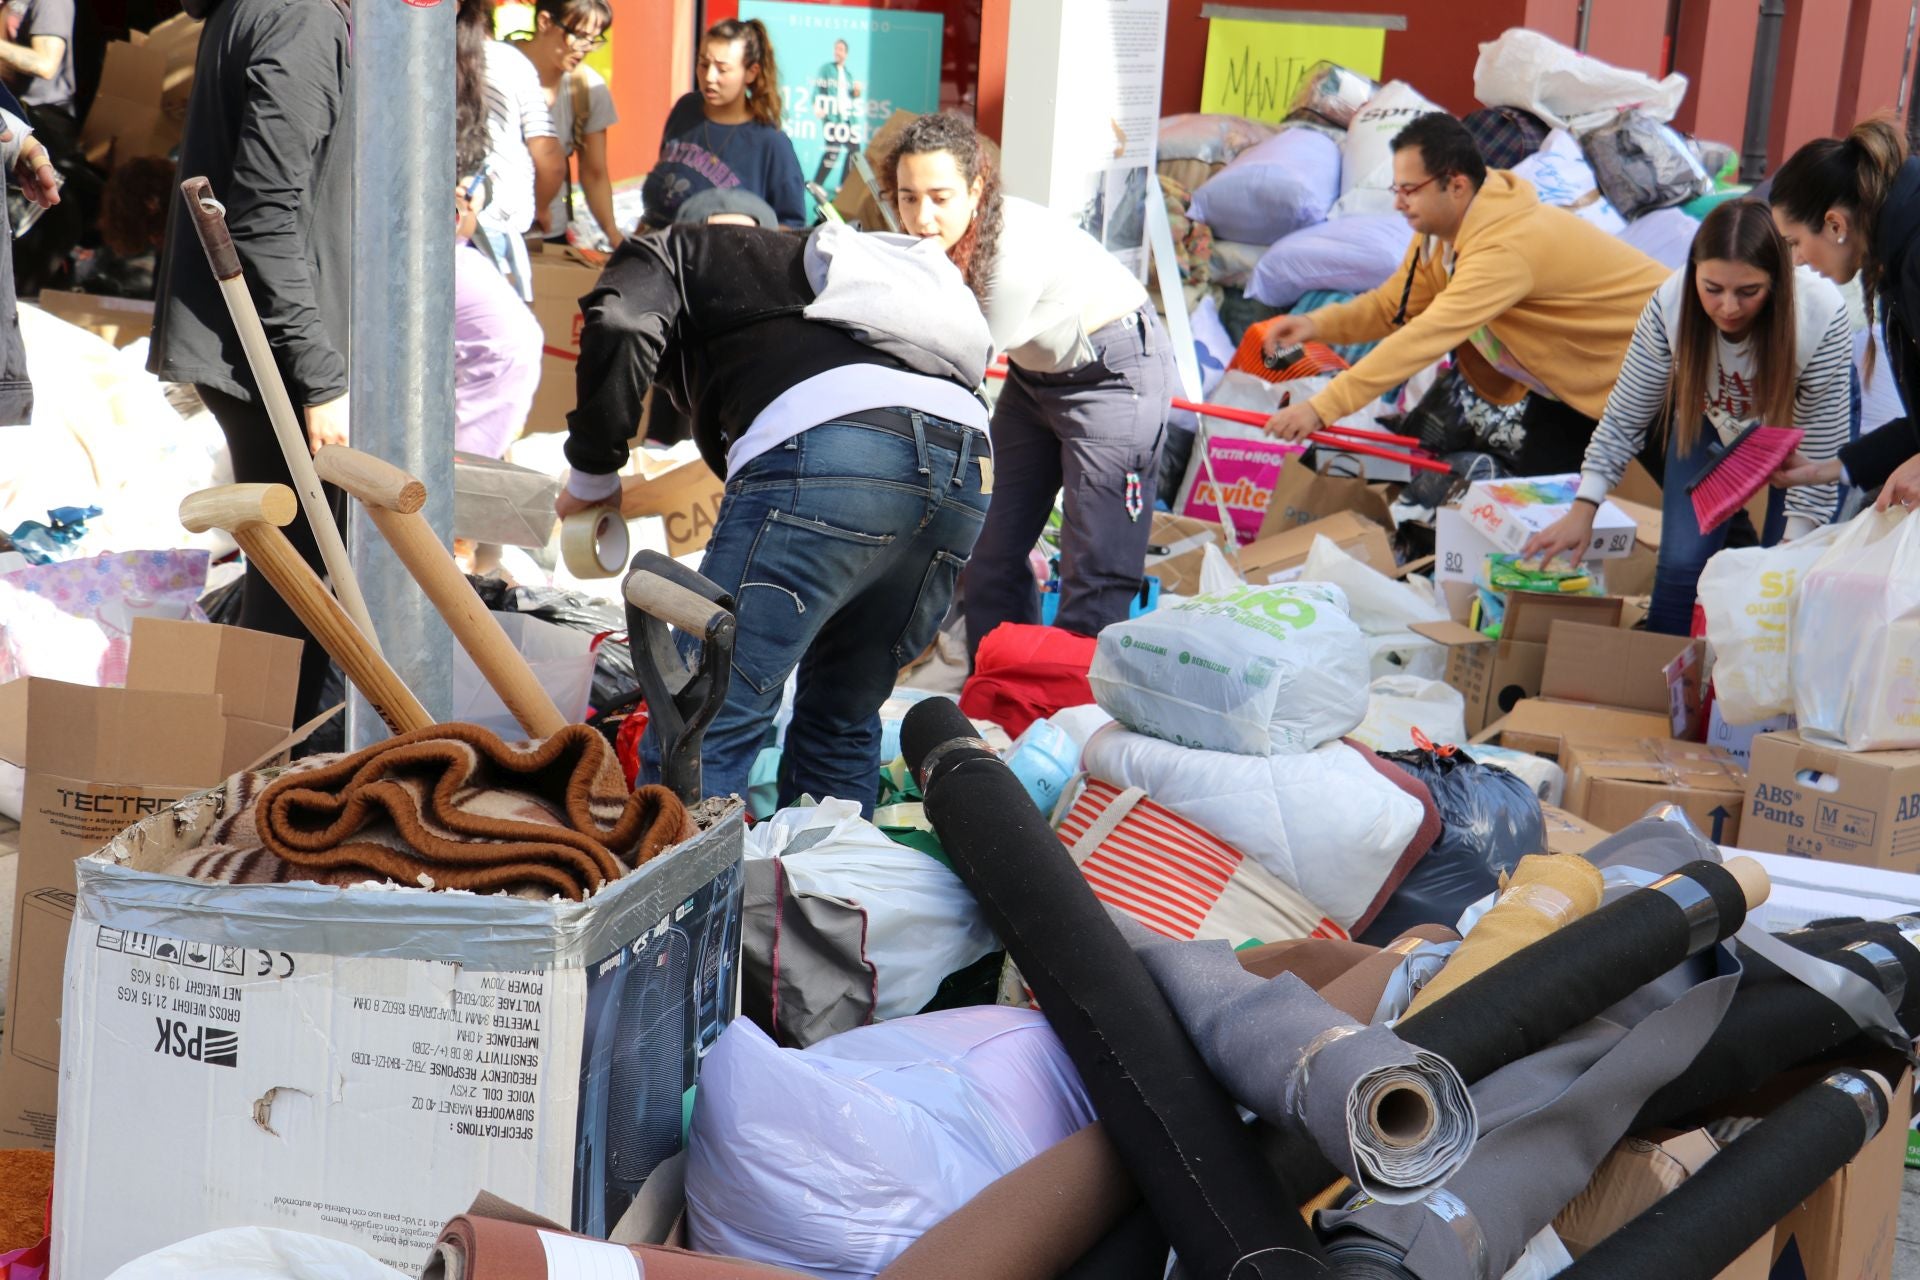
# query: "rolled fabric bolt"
(1224, 1211)
(1547, 891)
(1696, 1230)
(1534, 996)
(1395, 1120)
(594, 542)
(1777, 1022)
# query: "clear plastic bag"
(1854, 641)
(1747, 594)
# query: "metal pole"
(1766, 65)
(1586, 25)
(402, 355)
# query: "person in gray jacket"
(1089, 386)
(31, 170)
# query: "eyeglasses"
(580, 41)
(1407, 190)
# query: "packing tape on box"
(594, 543)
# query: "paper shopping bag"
(1303, 494)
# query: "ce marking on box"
(272, 964)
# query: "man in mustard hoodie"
(1527, 297)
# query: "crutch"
(393, 500)
(210, 220)
(254, 515)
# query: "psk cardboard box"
(359, 1063)
(682, 491)
(1279, 556)
(202, 702)
(1861, 807)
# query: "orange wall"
(1714, 50)
(1813, 42)
(1869, 76)
(652, 67)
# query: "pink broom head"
(1743, 468)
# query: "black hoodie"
(1874, 457)
(270, 125)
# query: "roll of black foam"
(1698, 1229)
(1777, 1022)
(1224, 1211)
(1539, 993)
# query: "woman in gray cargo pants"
(1088, 390)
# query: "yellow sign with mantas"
(1253, 67)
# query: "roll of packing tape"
(594, 543)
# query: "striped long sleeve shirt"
(1822, 399)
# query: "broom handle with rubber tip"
(393, 499)
(254, 514)
(210, 220)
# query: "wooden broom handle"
(393, 500)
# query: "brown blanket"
(450, 807)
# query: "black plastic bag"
(1490, 819)
(1453, 418)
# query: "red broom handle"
(1342, 439)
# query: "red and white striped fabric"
(1176, 878)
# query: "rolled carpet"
(1545, 892)
(448, 807)
(1696, 1230)
(1534, 996)
(1396, 1120)
(1224, 1211)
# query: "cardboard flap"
(1531, 615)
(13, 722)
(1275, 552)
(1449, 633)
(1610, 667)
(124, 736)
(257, 675)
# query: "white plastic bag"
(1325, 822)
(834, 1159)
(1399, 705)
(1255, 670)
(1548, 780)
(1351, 255)
(1366, 153)
(1562, 177)
(1287, 182)
(922, 923)
(1747, 594)
(561, 659)
(257, 1253)
(1566, 88)
(1854, 641)
(1377, 604)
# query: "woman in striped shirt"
(1735, 337)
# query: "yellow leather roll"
(1547, 891)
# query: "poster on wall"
(1089, 69)
(843, 72)
(1254, 66)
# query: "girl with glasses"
(581, 104)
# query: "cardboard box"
(121, 321)
(1632, 575)
(361, 1063)
(97, 760)
(1632, 670)
(1495, 675)
(1569, 834)
(1508, 512)
(561, 277)
(1842, 806)
(1846, 1229)
(1737, 739)
(1279, 557)
(1176, 549)
(141, 106)
(1614, 783)
(1634, 1177)
(684, 492)
(1459, 550)
(1543, 726)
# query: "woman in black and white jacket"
(1734, 338)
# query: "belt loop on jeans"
(1146, 332)
(920, 440)
(966, 455)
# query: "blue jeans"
(1684, 549)
(841, 549)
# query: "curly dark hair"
(133, 205)
(975, 251)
